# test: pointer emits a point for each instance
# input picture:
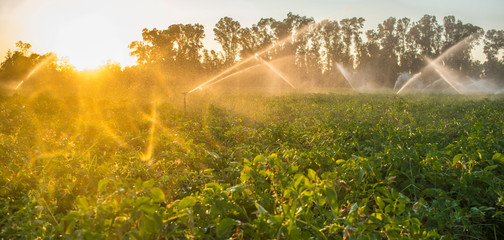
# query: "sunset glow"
(92, 32)
(88, 41)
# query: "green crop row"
(299, 166)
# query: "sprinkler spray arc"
(442, 74)
(222, 76)
(432, 63)
(272, 46)
(276, 71)
(35, 70)
(346, 75)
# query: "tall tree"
(454, 32)
(296, 27)
(426, 34)
(35, 72)
(259, 37)
(227, 33)
(17, 64)
(407, 54)
(351, 29)
(156, 47)
(493, 49)
(177, 44)
(330, 33)
(187, 43)
(494, 43)
(388, 56)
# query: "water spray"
(257, 56)
(432, 84)
(35, 69)
(346, 74)
(446, 80)
(275, 70)
(412, 79)
(440, 58)
(232, 75)
(222, 76)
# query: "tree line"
(175, 56)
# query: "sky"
(91, 32)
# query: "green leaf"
(138, 184)
(298, 178)
(225, 226)
(70, 228)
(187, 202)
(332, 197)
(236, 188)
(260, 159)
(490, 168)
(498, 158)
(102, 184)
(157, 195)
(292, 230)
(354, 208)
(147, 226)
(244, 177)
(72, 215)
(498, 213)
(340, 161)
(157, 220)
(213, 186)
(287, 193)
(378, 216)
(388, 209)
(148, 184)
(380, 203)
(457, 157)
(275, 219)
(245, 174)
(260, 209)
(312, 174)
(82, 203)
(214, 155)
(141, 201)
(148, 208)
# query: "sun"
(88, 41)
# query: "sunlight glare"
(87, 41)
(147, 156)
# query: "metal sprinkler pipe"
(185, 105)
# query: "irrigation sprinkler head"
(185, 104)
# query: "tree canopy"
(175, 56)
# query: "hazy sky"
(89, 32)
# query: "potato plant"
(295, 166)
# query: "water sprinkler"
(35, 69)
(185, 105)
(275, 70)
